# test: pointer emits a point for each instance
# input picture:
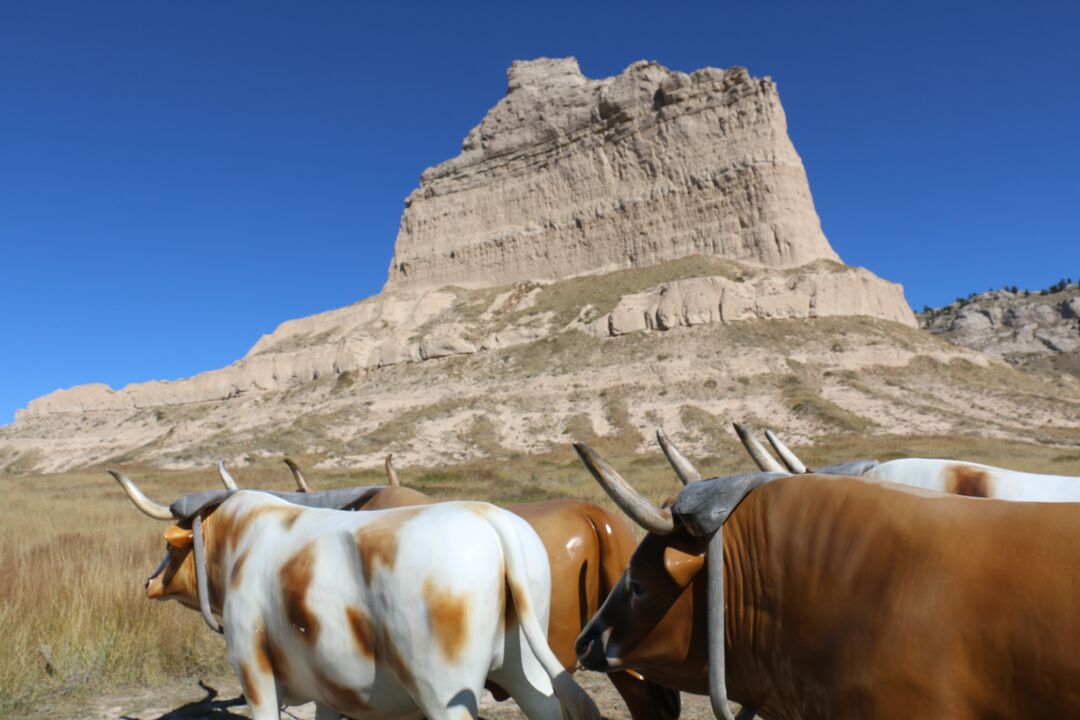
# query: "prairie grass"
(74, 552)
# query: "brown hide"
(847, 598)
(588, 548)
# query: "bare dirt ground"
(220, 698)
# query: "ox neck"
(757, 670)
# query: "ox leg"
(255, 674)
(646, 700)
(260, 690)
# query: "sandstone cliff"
(604, 256)
(567, 175)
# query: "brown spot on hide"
(363, 633)
(519, 599)
(378, 541)
(967, 480)
(340, 697)
(506, 605)
(296, 575)
(269, 656)
(251, 692)
(448, 618)
(237, 573)
(238, 526)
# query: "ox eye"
(636, 588)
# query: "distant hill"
(1035, 329)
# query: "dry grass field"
(77, 632)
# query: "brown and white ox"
(955, 477)
(813, 596)
(398, 613)
(588, 548)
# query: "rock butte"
(532, 277)
(567, 175)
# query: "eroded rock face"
(568, 175)
(818, 290)
(587, 216)
(1020, 327)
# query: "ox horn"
(789, 458)
(681, 464)
(640, 510)
(298, 477)
(391, 473)
(226, 477)
(764, 460)
(148, 506)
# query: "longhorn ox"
(841, 597)
(372, 615)
(588, 548)
(949, 476)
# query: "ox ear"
(703, 507)
(681, 565)
(179, 538)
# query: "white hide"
(1001, 483)
(466, 550)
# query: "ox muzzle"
(591, 650)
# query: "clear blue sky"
(176, 178)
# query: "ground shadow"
(208, 707)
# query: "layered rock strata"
(419, 325)
(567, 175)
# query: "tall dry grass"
(74, 552)
(73, 556)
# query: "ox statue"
(371, 615)
(588, 548)
(948, 476)
(841, 597)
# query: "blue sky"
(178, 178)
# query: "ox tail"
(577, 705)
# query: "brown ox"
(589, 548)
(849, 598)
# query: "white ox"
(949, 476)
(382, 614)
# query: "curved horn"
(148, 506)
(226, 478)
(298, 477)
(391, 473)
(789, 458)
(640, 510)
(679, 463)
(764, 460)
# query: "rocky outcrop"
(568, 175)
(816, 291)
(1020, 326)
(410, 326)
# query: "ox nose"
(590, 653)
